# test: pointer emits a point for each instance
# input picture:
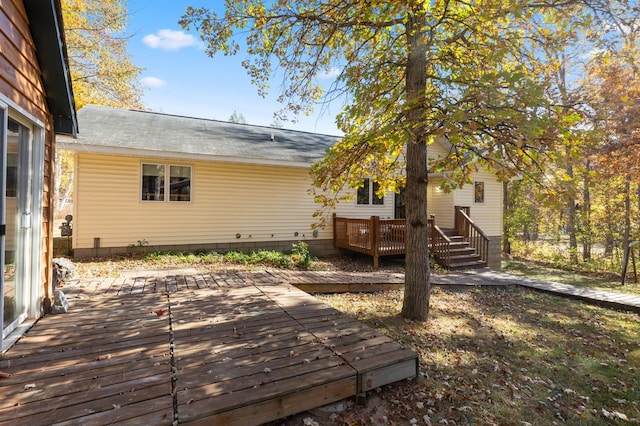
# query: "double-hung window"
(163, 182)
(367, 194)
(478, 192)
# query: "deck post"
(334, 230)
(431, 237)
(375, 246)
(459, 223)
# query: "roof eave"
(65, 142)
(47, 31)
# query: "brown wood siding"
(20, 75)
(21, 82)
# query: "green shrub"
(211, 257)
(269, 258)
(188, 258)
(300, 255)
(159, 256)
(236, 257)
(298, 258)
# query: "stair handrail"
(474, 235)
(440, 242)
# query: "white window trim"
(371, 195)
(167, 176)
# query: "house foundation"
(318, 248)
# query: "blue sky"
(178, 77)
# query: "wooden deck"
(374, 237)
(466, 247)
(202, 349)
(190, 279)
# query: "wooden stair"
(461, 254)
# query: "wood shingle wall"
(21, 86)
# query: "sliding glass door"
(18, 252)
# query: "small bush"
(269, 258)
(159, 256)
(211, 257)
(300, 255)
(235, 257)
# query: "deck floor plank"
(98, 398)
(377, 359)
(148, 412)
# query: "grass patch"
(596, 281)
(508, 356)
(558, 255)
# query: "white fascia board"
(66, 143)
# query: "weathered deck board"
(308, 281)
(275, 408)
(377, 359)
(242, 363)
(224, 348)
(106, 361)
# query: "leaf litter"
(508, 356)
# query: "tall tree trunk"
(609, 239)
(571, 214)
(586, 214)
(416, 289)
(571, 201)
(627, 220)
(637, 215)
(506, 241)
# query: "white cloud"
(169, 40)
(152, 82)
(331, 73)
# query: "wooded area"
(584, 199)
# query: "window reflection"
(13, 299)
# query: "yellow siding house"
(167, 182)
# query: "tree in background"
(237, 118)
(101, 70)
(276, 124)
(595, 38)
(616, 103)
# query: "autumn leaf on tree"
(100, 67)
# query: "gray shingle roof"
(124, 130)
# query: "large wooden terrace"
(201, 349)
